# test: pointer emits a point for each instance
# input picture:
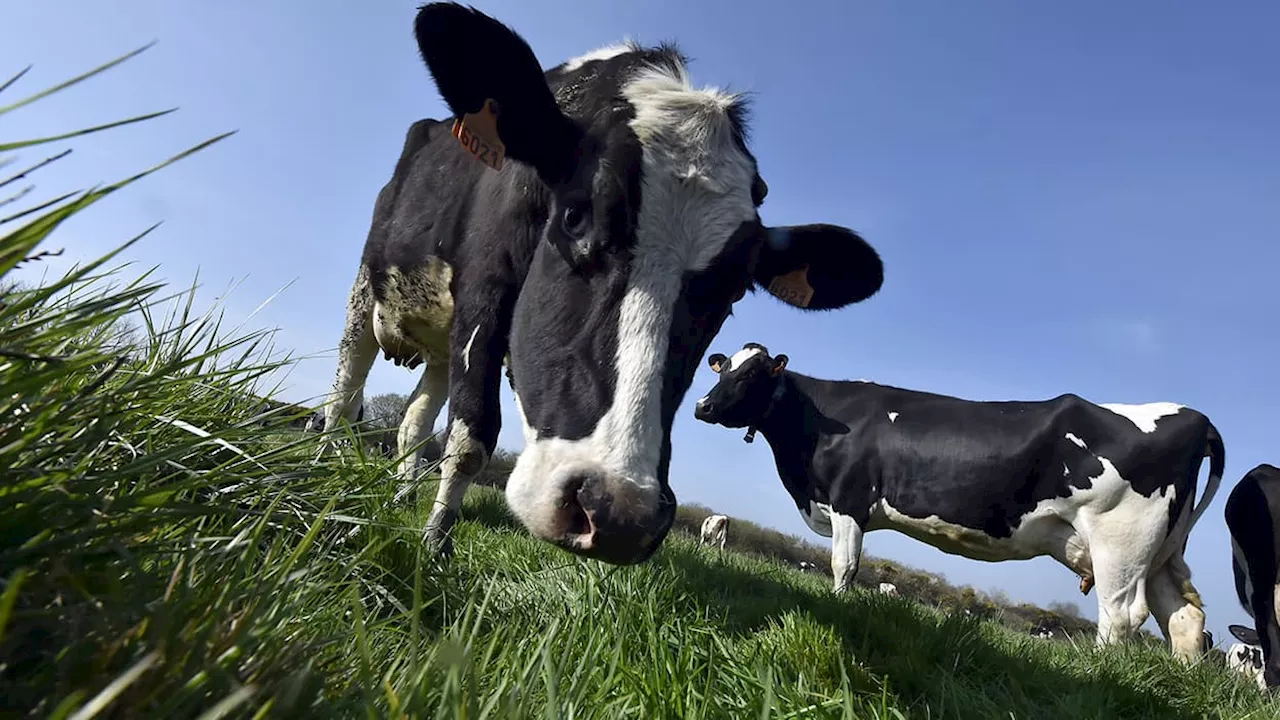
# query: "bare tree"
(385, 410)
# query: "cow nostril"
(578, 523)
(576, 520)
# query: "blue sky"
(1079, 197)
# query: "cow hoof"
(438, 538)
(439, 545)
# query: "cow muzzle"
(589, 511)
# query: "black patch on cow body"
(978, 465)
(1251, 514)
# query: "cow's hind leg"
(356, 352)
(1177, 608)
(1122, 549)
(419, 420)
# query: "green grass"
(162, 554)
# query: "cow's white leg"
(420, 418)
(356, 352)
(1177, 608)
(846, 550)
(1121, 577)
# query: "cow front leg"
(478, 344)
(846, 550)
(357, 351)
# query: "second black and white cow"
(1252, 511)
(591, 225)
(1106, 490)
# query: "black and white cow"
(594, 234)
(1106, 490)
(1246, 657)
(1252, 511)
(714, 530)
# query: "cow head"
(747, 388)
(650, 233)
(1245, 656)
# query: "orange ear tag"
(477, 132)
(793, 288)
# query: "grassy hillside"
(162, 554)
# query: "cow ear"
(716, 361)
(475, 59)
(818, 267)
(779, 364)
(1246, 635)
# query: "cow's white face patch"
(1247, 660)
(1072, 437)
(605, 53)
(696, 193)
(893, 416)
(735, 362)
(1144, 416)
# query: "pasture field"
(165, 554)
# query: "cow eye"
(575, 219)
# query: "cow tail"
(1217, 455)
(1176, 564)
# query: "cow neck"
(780, 387)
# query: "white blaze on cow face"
(605, 53)
(734, 363)
(893, 416)
(1144, 416)
(696, 193)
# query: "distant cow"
(714, 529)
(1106, 490)
(806, 565)
(591, 225)
(1246, 657)
(1042, 633)
(888, 589)
(1253, 520)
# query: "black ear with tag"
(487, 74)
(716, 361)
(818, 267)
(779, 364)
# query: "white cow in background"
(714, 529)
(1245, 657)
(889, 589)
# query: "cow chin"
(588, 509)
